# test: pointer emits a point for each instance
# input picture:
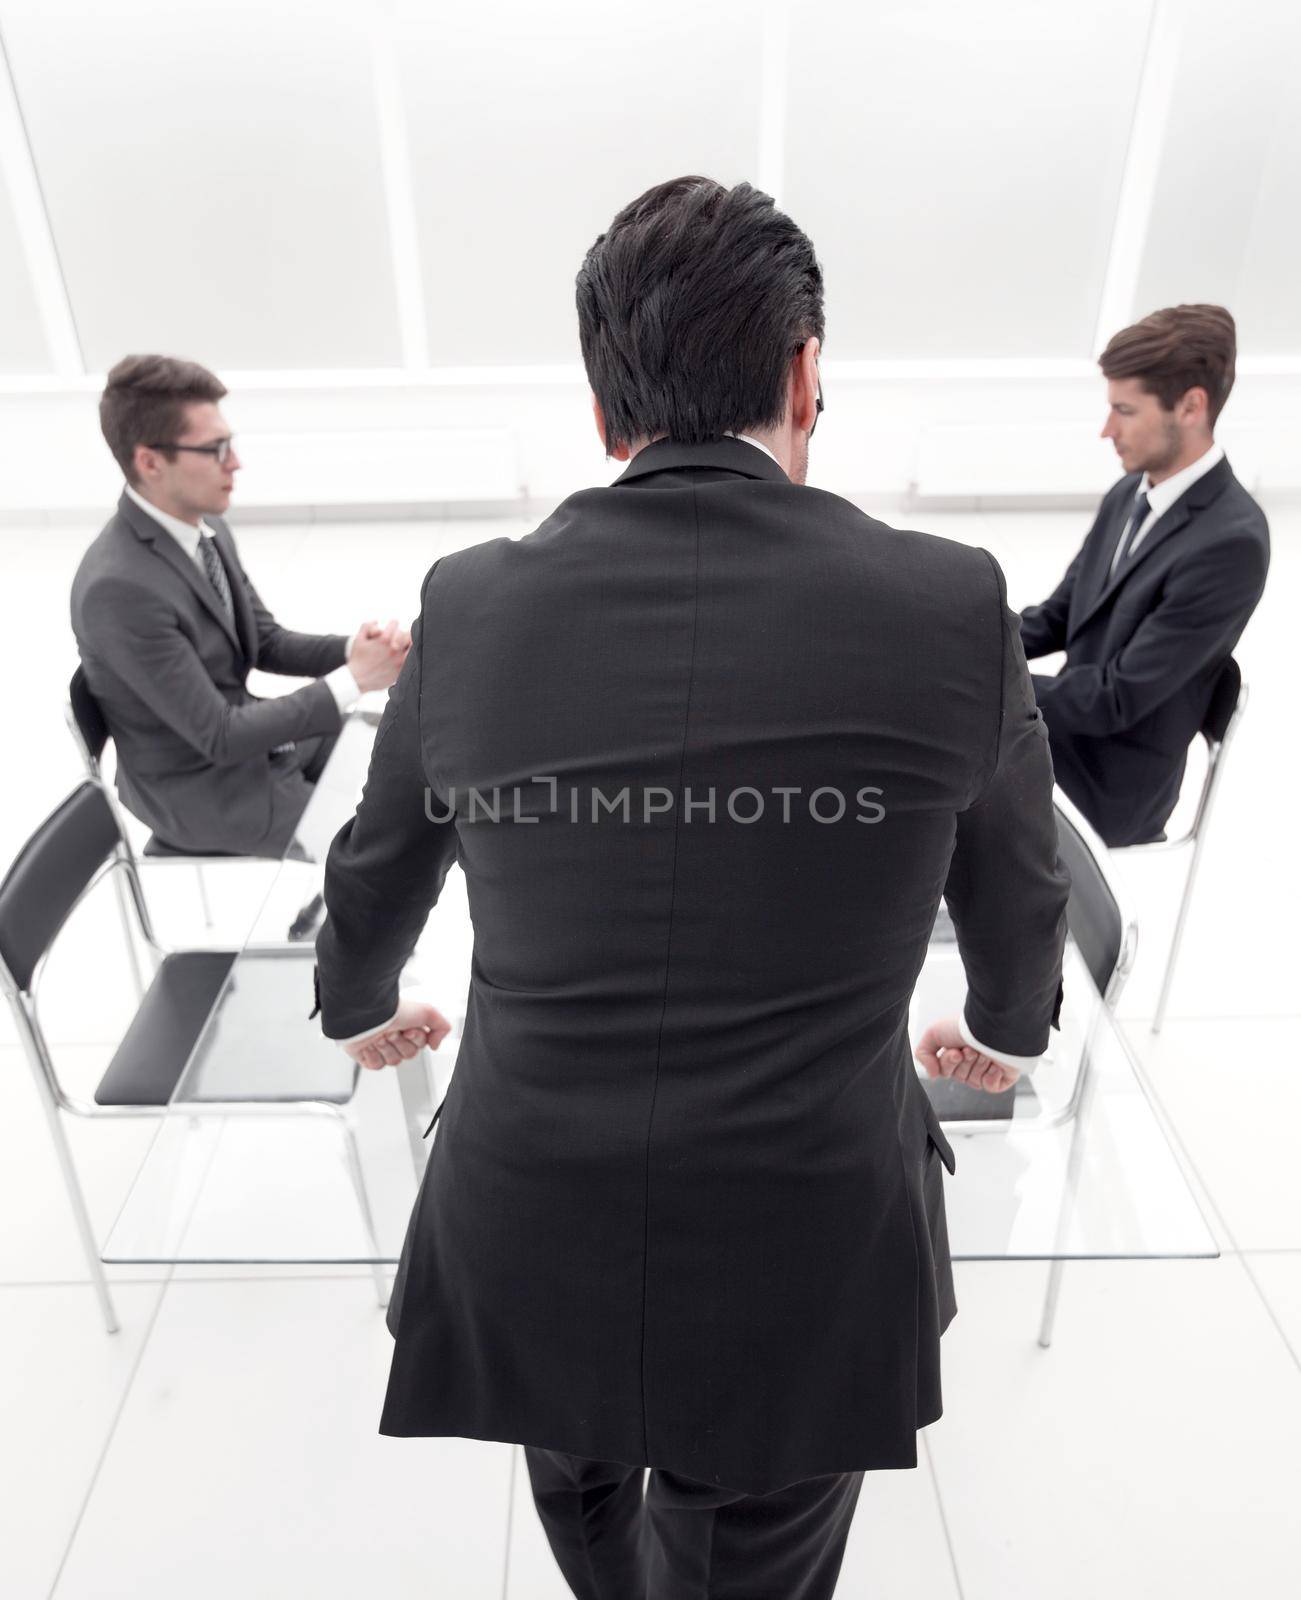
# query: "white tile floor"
(223, 1443)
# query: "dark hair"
(144, 402)
(690, 307)
(1175, 350)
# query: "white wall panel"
(212, 177)
(427, 445)
(1226, 222)
(1270, 284)
(22, 343)
(531, 125)
(957, 167)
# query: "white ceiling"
(286, 186)
(958, 168)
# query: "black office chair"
(1107, 946)
(87, 720)
(1224, 712)
(1093, 915)
(90, 733)
(73, 850)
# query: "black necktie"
(212, 565)
(1124, 545)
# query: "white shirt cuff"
(343, 686)
(1022, 1063)
(369, 1033)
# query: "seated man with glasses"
(169, 626)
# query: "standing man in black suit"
(1152, 606)
(708, 745)
(169, 626)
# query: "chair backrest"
(50, 873)
(1223, 702)
(86, 714)
(1093, 914)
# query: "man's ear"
(1195, 404)
(145, 461)
(803, 397)
(620, 452)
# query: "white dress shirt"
(749, 438)
(343, 686)
(1161, 496)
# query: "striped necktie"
(213, 566)
(216, 570)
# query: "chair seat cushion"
(159, 847)
(153, 1052)
(953, 1101)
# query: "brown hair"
(1172, 351)
(144, 402)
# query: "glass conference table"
(276, 1148)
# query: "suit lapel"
(1181, 513)
(166, 548)
(244, 622)
(1178, 515)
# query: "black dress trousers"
(616, 1536)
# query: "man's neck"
(775, 442)
(1186, 457)
(181, 513)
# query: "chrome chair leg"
(363, 1202)
(77, 1200)
(203, 896)
(128, 934)
(1085, 1090)
(1050, 1303)
(1177, 939)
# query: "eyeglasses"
(219, 449)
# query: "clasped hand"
(944, 1053)
(414, 1027)
(377, 654)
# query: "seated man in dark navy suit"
(1152, 606)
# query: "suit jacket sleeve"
(1202, 610)
(1007, 889)
(281, 650)
(385, 869)
(135, 631)
(1043, 627)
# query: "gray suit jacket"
(169, 669)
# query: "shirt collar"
(1161, 497)
(185, 533)
(749, 438)
(731, 455)
(745, 438)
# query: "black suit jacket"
(684, 1207)
(169, 669)
(1143, 649)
